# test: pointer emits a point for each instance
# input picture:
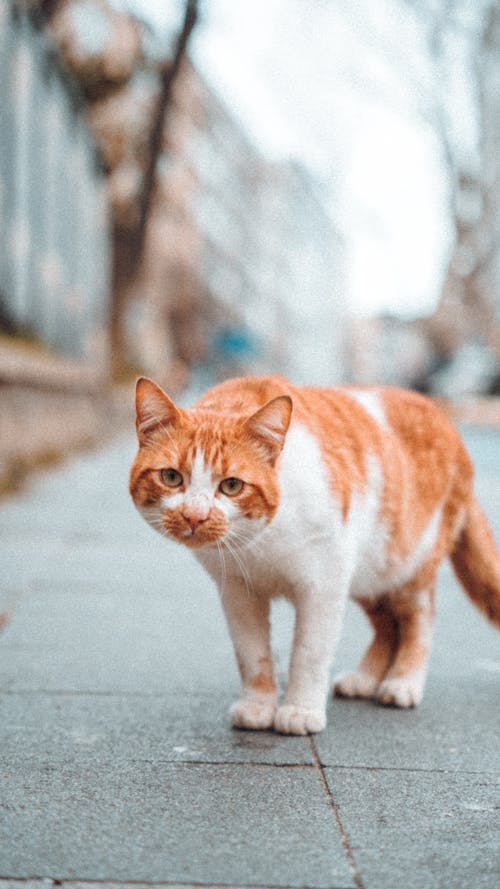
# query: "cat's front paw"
(355, 685)
(292, 720)
(253, 714)
(405, 691)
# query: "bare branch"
(169, 72)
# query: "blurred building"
(53, 204)
(241, 268)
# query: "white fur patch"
(372, 403)
(308, 522)
(367, 538)
(423, 603)
(377, 574)
(402, 691)
(422, 550)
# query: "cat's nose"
(194, 518)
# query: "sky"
(346, 87)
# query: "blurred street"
(192, 191)
(118, 763)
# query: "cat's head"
(204, 475)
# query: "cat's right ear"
(154, 409)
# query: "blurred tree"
(463, 39)
(168, 73)
(129, 242)
(127, 82)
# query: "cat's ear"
(268, 427)
(153, 408)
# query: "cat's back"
(243, 395)
(421, 432)
(404, 431)
(411, 416)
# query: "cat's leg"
(404, 683)
(318, 621)
(247, 616)
(364, 682)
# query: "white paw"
(406, 691)
(256, 714)
(291, 720)
(355, 685)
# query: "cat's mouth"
(195, 539)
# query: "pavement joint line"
(182, 762)
(99, 693)
(73, 881)
(176, 762)
(333, 805)
(417, 771)
(271, 765)
(263, 764)
(225, 763)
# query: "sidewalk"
(117, 762)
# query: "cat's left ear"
(268, 427)
(154, 409)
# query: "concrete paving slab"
(83, 641)
(420, 829)
(26, 884)
(233, 824)
(96, 642)
(181, 728)
(41, 564)
(453, 729)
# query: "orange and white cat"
(317, 494)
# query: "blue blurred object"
(235, 343)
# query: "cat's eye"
(171, 477)
(231, 486)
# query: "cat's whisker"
(157, 523)
(222, 560)
(242, 542)
(241, 565)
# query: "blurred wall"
(54, 244)
(54, 259)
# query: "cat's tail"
(476, 562)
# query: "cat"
(316, 494)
